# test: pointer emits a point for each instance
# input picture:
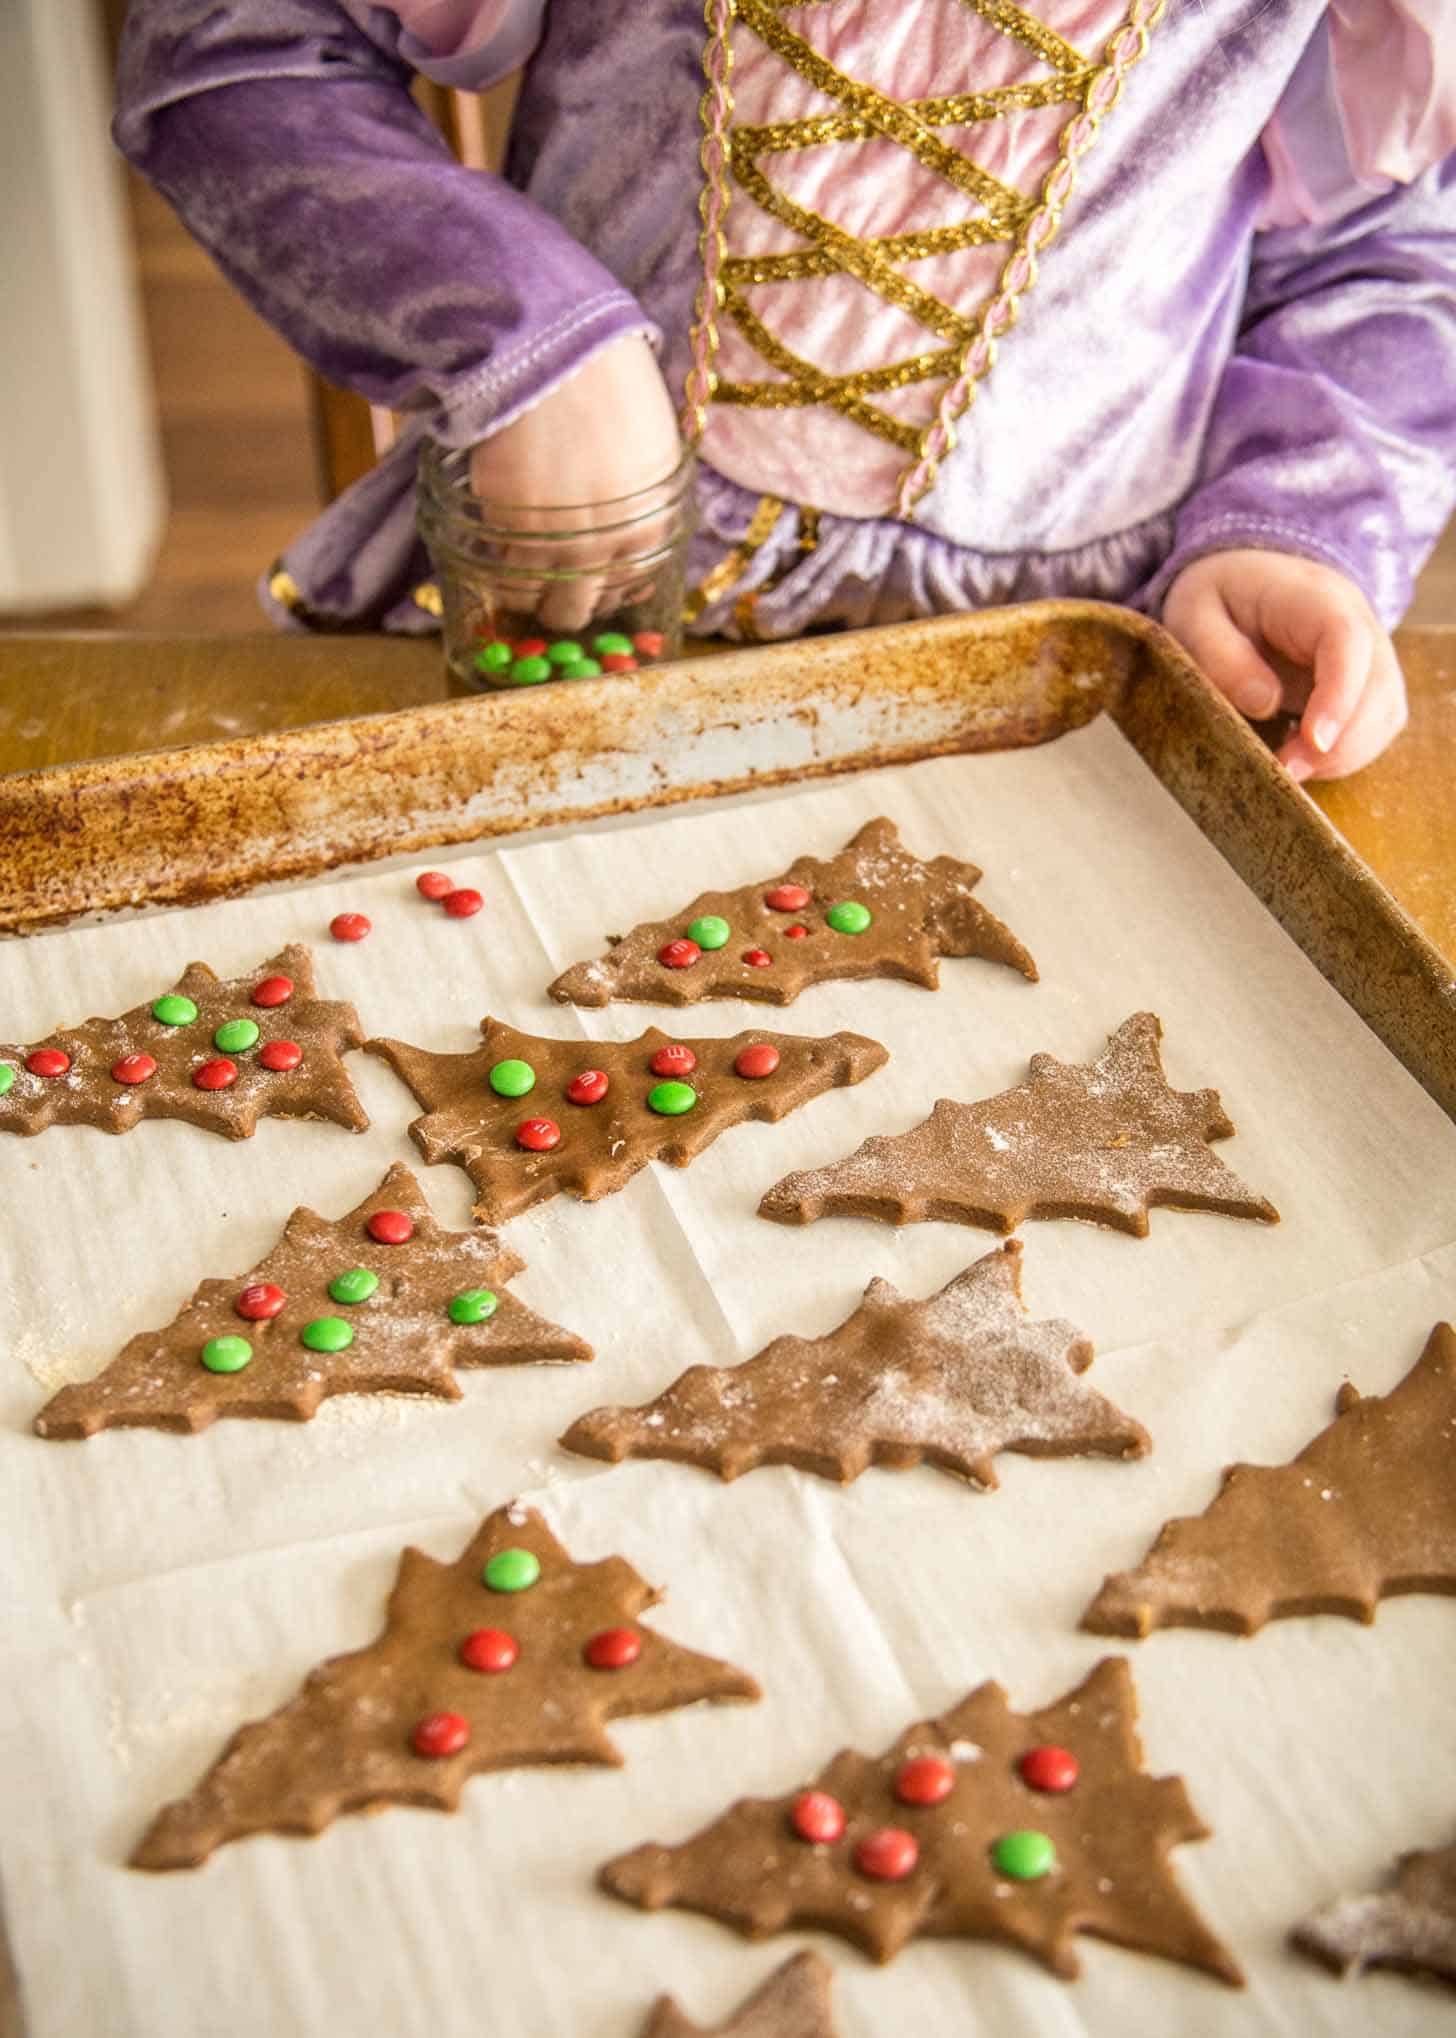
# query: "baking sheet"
(158, 1590)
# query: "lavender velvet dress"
(1243, 335)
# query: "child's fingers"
(1344, 655)
(1378, 719)
(1207, 630)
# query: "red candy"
(538, 1135)
(47, 1061)
(759, 1060)
(758, 958)
(260, 1302)
(588, 1088)
(679, 954)
(350, 926)
(817, 1817)
(925, 1779)
(675, 1060)
(530, 647)
(216, 1075)
(433, 884)
(440, 1733)
(618, 661)
(463, 903)
(795, 933)
(1049, 1768)
(273, 991)
(280, 1055)
(887, 1855)
(787, 898)
(489, 1649)
(133, 1068)
(613, 1649)
(390, 1227)
(649, 643)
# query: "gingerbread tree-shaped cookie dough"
(1107, 1142)
(1411, 1926)
(793, 2003)
(527, 1117)
(385, 1301)
(512, 1655)
(951, 1380)
(1366, 1510)
(214, 1053)
(872, 911)
(984, 1824)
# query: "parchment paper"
(158, 1590)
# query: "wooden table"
(66, 698)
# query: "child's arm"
(1332, 440)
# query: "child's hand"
(1228, 607)
(609, 430)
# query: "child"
(1225, 233)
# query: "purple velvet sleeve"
(1334, 430)
(286, 137)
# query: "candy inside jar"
(529, 595)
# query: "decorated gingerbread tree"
(1108, 1142)
(218, 1054)
(793, 2003)
(872, 911)
(951, 1380)
(384, 1301)
(528, 1117)
(1366, 1510)
(1410, 1926)
(984, 1824)
(512, 1655)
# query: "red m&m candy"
(215, 1075)
(489, 1650)
(280, 1055)
(925, 1779)
(1049, 1768)
(679, 954)
(674, 1060)
(786, 899)
(817, 1817)
(133, 1068)
(273, 991)
(390, 1227)
(649, 643)
(759, 1060)
(618, 661)
(530, 647)
(260, 1301)
(463, 903)
(538, 1135)
(48, 1061)
(440, 1733)
(886, 1855)
(758, 958)
(350, 926)
(795, 933)
(433, 884)
(613, 1649)
(588, 1088)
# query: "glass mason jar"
(563, 592)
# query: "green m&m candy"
(7, 1076)
(611, 644)
(580, 668)
(512, 1079)
(1024, 1856)
(849, 917)
(512, 1571)
(711, 931)
(236, 1036)
(174, 1010)
(226, 1354)
(473, 1305)
(670, 1100)
(565, 652)
(356, 1284)
(327, 1334)
(494, 657)
(530, 671)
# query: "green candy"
(7, 1076)
(494, 658)
(612, 642)
(174, 1010)
(1024, 1856)
(236, 1036)
(582, 668)
(849, 917)
(530, 671)
(512, 1079)
(565, 653)
(473, 1305)
(327, 1334)
(710, 932)
(512, 1571)
(226, 1354)
(670, 1100)
(356, 1285)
